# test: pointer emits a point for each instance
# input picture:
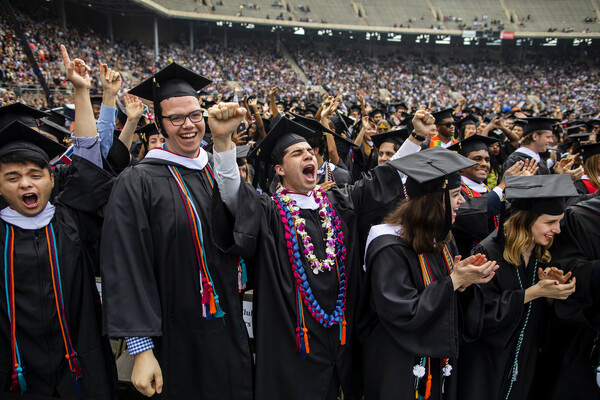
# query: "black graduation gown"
(363, 162)
(474, 220)
(281, 373)
(38, 331)
(151, 283)
(575, 324)
(485, 365)
(516, 156)
(408, 321)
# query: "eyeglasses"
(447, 124)
(179, 119)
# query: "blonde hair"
(591, 170)
(518, 236)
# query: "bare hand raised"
(76, 70)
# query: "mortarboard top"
(310, 123)
(431, 170)
(375, 112)
(346, 121)
(592, 122)
(473, 143)
(146, 131)
(20, 112)
(540, 193)
(583, 136)
(572, 129)
(282, 135)
(468, 120)
(58, 131)
(400, 105)
(397, 136)
(536, 124)
(557, 129)
(521, 123)
(589, 150)
(171, 81)
(443, 114)
(18, 136)
(96, 99)
(58, 116)
(355, 107)
(477, 110)
(241, 152)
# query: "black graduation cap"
(61, 133)
(172, 81)
(573, 129)
(431, 170)
(557, 129)
(468, 120)
(473, 143)
(18, 136)
(146, 131)
(355, 107)
(310, 123)
(477, 110)
(540, 193)
(592, 122)
(241, 152)
(583, 136)
(536, 124)
(344, 122)
(282, 135)
(396, 136)
(521, 123)
(375, 112)
(58, 116)
(589, 150)
(400, 105)
(312, 108)
(20, 112)
(96, 99)
(443, 114)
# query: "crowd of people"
(412, 231)
(254, 67)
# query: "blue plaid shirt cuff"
(137, 345)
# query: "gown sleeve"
(131, 298)
(420, 323)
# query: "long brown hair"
(591, 170)
(422, 220)
(518, 236)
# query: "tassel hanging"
(305, 330)
(343, 339)
(302, 346)
(76, 383)
(75, 365)
(213, 307)
(297, 340)
(428, 387)
(220, 313)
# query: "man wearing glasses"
(444, 123)
(171, 257)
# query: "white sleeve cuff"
(498, 191)
(227, 176)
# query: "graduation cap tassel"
(343, 332)
(220, 313)
(75, 365)
(22, 382)
(76, 383)
(297, 347)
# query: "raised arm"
(134, 109)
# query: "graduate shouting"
(50, 325)
(308, 268)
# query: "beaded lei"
(422, 370)
(19, 378)
(335, 255)
(514, 371)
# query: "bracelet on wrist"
(418, 137)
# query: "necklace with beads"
(294, 227)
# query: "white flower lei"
(315, 264)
